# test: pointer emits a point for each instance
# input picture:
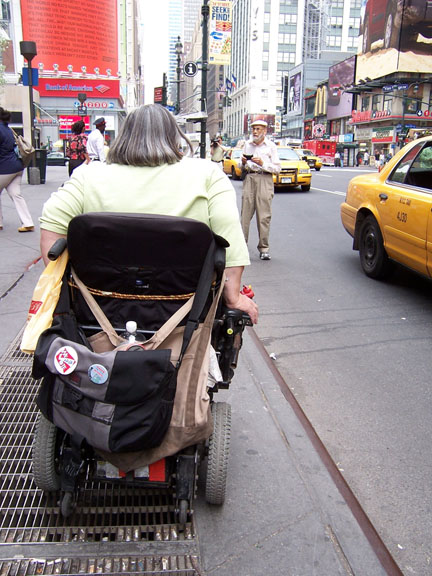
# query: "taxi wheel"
(373, 257)
(317, 169)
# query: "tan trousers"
(12, 183)
(258, 192)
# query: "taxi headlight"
(304, 171)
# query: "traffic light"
(227, 101)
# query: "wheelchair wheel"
(218, 453)
(44, 454)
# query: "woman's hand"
(232, 296)
(245, 304)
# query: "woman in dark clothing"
(11, 169)
(77, 149)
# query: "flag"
(233, 81)
(228, 84)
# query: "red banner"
(69, 88)
(80, 34)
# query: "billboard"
(295, 93)
(220, 27)
(76, 34)
(70, 88)
(339, 103)
(269, 118)
(395, 36)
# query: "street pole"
(205, 11)
(179, 51)
(28, 51)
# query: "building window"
(265, 56)
(334, 41)
(376, 102)
(365, 103)
(287, 38)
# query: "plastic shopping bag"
(43, 303)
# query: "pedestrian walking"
(96, 141)
(77, 149)
(337, 160)
(366, 158)
(11, 170)
(260, 161)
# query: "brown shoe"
(26, 229)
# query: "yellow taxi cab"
(309, 157)
(232, 164)
(388, 213)
(294, 171)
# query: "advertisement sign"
(395, 36)
(269, 118)
(65, 122)
(339, 103)
(68, 33)
(295, 92)
(220, 26)
(70, 88)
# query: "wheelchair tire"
(45, 459)
(218, 454)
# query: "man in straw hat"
(260, 161)
(96, 140)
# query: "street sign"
(190, 69)
(34, 76)
(82, 110)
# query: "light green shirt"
(191, 188)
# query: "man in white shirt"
(260, 160)
(95, 141)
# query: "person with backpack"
(77, 149)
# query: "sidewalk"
(285, 514)
(20, 264)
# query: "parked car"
(294, 171)
(382, 20)
(232, 163)
(309, 157)
(56, 159)
(388, 214)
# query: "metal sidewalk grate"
(162, 566)
(106, 513)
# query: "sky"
(154, 30)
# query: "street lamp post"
(205, 13)
(179, 52)
(28, 51)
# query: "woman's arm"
(46, 241)
(233, 298)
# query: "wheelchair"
(140, 268)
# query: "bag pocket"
(118, 401)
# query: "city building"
(271, 39)
(83, 71)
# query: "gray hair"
(149, 137)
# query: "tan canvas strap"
(201, 351)
(104, 323)
(107, 327)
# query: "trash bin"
(40, 163)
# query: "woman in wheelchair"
(148, 173)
